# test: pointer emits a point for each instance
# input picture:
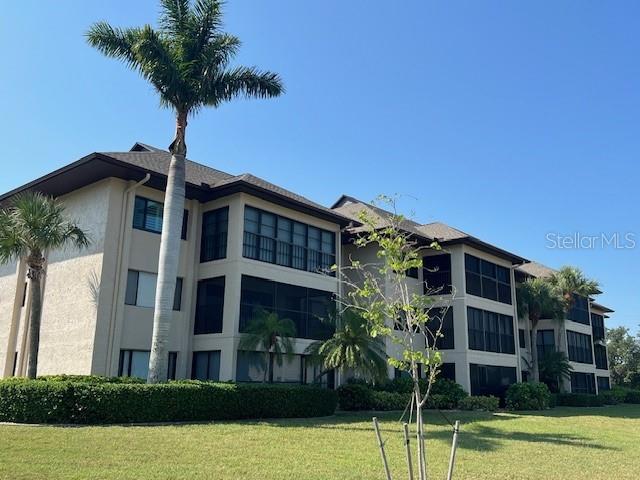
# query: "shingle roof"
(536, 269)
(442, 231)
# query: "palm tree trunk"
(35, 318)
(169, 255)
(534, 352)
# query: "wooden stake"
(407, 445)
(454, 445)
(381, 445)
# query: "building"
(248, 244)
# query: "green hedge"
(84, 402)
(480, 402)
(579, 400)
(626, 394)
(528, 396)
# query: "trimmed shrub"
(90, 379)
(396, 385)
(479, 402)
(528, 396)
(355, 396)
(626, 394)
(579, 400)
(446, 394)
(37, 401)
(390, 400)
(609, 397)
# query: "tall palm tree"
(272, 334)
(187, 60)
(350, 348)
(31, 226)
(538, 298)
(571, 281)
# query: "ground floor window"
(135, 363)
(252, 367)
(448, 371)
(491, 379)
(603, 384)
(206, 366)
(582, 383)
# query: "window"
(141, 290)
(24, 294)
(600, 354)
(279, 240)
(597, 326)
(490, 332)
(215, 225)
(15, 364)
(448, 371)
(437, 274)
(579, 347)
(209, 306)
(521, 338)
(603, 384)
(206, 366)
(147, 215)
(582, 383)
(579, 312)
(251, 367)
(135, 363)
(546, 343)
(443, 317)
(491, 379)
(487, 280)
(306, 307)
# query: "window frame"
(486, 279)
(172, 359)
(185, 217)
(201, 324)
(579, 347)
(177, 297)
(435, 271)
(484, 338)
(221, 238)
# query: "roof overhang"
(487, 248)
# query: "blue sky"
(508, 120)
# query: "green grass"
(566, 443)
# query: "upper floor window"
(209, 306)
(437, 274)
(521, 338)
(141, 290)
(490, 331)
(545, 343)
(443, 319)
(579, 312)
(306, 307)
(215, 225)
(597, 325)
(600, 352)
(579, 346)
(147, 215)
(487, 280)
(279, 240)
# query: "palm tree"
(554, 367)
(572, 282)
(187, 61)
(538, 298)
(350, 348)
(31, 226)
(272, 334)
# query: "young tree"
(272, 334)
(350, 348)
(381, 293)
(537, 299)
(33, 225)
(187, 60)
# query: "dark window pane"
(472, 264)
(206, 366)
(185, 224)
(131, 294)
(139, 212)
(437, 274)
(177, 297)
(491, 379)
(213, 245)
(603, 384)
(443, 319)
(579, 346)
(489, 288)
(488, 269)
(521, 338)
(209, 306)
(473, 284)
(448, 371)
(582, 383)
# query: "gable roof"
(203, 183)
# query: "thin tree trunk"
(35, 319)
(534, 352)
(271, 358)
(169, 255)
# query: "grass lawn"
(564, 443)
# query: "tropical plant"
(554, 366)
(537, 299)
(187, 61)
(350, 348)
(30, 227)
(271, 334)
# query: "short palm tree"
(271, 334)
(31, 226)
(187, 61)
(350, 348)
(538, 298)
(554, 366)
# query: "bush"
(355, 396)
(626, 394)
(528, 396)
(84, 402)
(579, 400)
(397, 385)
(90, 379)
(609, 397)
(446, 394)
(390, 400)
(488, 404)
